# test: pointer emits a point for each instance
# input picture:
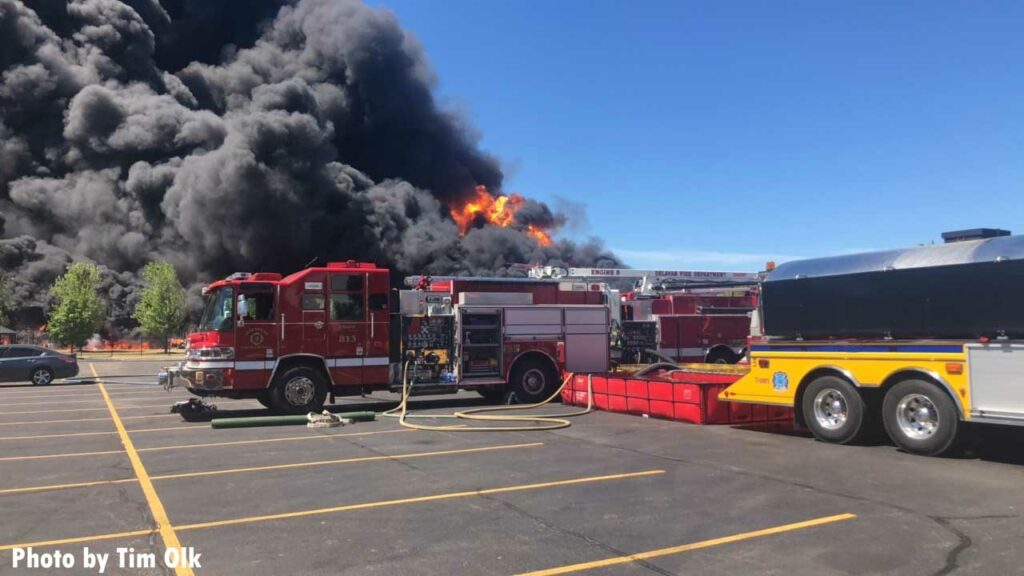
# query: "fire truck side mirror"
(243, 307)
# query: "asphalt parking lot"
(613, 494)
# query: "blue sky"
(720, 134)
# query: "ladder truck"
(678, 315)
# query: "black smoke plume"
(233, 135)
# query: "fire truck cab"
(291, 341)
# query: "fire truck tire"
(492, 393)
(533, 380)
(298, 390)
(264, 399)
(834, 411)
(921, 418)
(721, 356)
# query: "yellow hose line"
(543, 422)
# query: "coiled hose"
(542, 422)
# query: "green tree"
(79, 311)
(162, 310)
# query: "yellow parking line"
(416, 500)
(58, 394)
(347, 461)
(191, 427)
(48, 487)
(268, 440)
(336, 509)
(684, 548)
(48, 411)
(156, 507)
(77, 539)
(65, 455)
(30, 422)
(42, 436)
(54, 400)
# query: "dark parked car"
(40, 366)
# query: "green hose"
(283, 420)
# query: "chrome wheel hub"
(41, 377)
(299, 391)
(533, 381)
(917, 416)
(830, 409)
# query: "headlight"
(223, 353)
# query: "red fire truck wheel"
(533, 380)
(298, 390)
(264, 399)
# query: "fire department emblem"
(257, 337)
(780, 381)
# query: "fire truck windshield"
(217, 310)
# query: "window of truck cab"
(347, 297)
(218, 310)
(259, 299)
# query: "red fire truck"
(682, 315)
(340, 330)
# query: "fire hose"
(542, 421)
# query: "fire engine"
(678, 315)
(917, 342)
(291, 341)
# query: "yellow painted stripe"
(65, 455)
(347, 461)
(61, 400)
(378, 504)
(65, 435)
(416, 500)
(58, 393)
(31, 422)
(269, 440)
(77, 539)
(156, 507)
(686, 547)
(48, 487)
(48, 411)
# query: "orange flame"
(495, 210)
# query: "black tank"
(964, 289)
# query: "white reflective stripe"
(356, 362)
(255, 365)
(678, 352)
(199, 364)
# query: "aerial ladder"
(651, 282)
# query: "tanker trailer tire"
(297, 391)
(533, 380)
(921, 418)
(834, 411)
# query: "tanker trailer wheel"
(298, 390)
(834, 410)
(921, 418)
(533, 380)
